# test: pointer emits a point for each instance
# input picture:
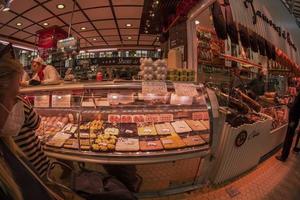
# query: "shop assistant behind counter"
(43, 74)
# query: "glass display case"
(125, 122)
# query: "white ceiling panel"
(77, 17)
(106, 24)
(21, 35)
(129, 31)
(52, 5)
(134, 23)
(99, 13)
(86, 25)
(111, 38)
(109, 32)
(33, 29)
(19, 8)
(22, 20)
(7, 30)
(6, 16)
(38, 14)
(92, 3)
(88, 34)
(128, 12)
(128, 2)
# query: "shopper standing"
(294, 116)
(17, 181)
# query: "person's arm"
(52, 75)
(32, 119)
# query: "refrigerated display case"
(156, 127)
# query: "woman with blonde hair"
(17, 180)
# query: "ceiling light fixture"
(146, 31)
(197, 22)
(94, 39)
(60, 6)
(82, 28)
(5, 5)
(19, 24)
(128, 25)
(45, 24)
(129, 37)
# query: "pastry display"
(71, 144)
(196, 125)
(172, 142)
(127, 144)
(205, 137)
(126, 119)
(138, 118)
(111, 131)
(114, 118)
(85, 135)
(52, 125)
(152, 118)
(128, 130)
(206, 123)
(58, 140)
(181, 127)
(151, 145)
(146, 129)
(193, 140)
(164, 129)
(166, 117)
(200, 115)
(105, 142)
(96, 125)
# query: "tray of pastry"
(104, 142)
(58, 140)
(172, 142)
(128, 130)
(181, 127)
(151, 144)
(146, 129)
(111, 128)
(127, 144)
(192, 140)
(164, 129)
(196, 125)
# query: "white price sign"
(61, 100)
(154, 87)
(185, 89)
(42, 101)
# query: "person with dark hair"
(257, 85)
(294, 116)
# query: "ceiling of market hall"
(96, 23)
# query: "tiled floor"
(271, 180)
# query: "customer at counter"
(257, 86)
(294, 116)
(43, 74)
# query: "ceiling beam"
(115, 18)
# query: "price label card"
(185, 89)
(61, 100)
(42, 101)
(154, 87)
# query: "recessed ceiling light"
(129, 37)
(6, 9)
(60, 6)
(82, 28)
(94, 39)
(128, 25)
(197, 22)
(45, 24)
(19, 24)
(146, 31)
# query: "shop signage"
(185, 89)
(154, 87)
(241, 138)
(116, 61)
(257, 13)
(70, 42)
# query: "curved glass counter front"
(123, 123)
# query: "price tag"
(61, 101)
(154, 87)
(185, 89)
(42, 101)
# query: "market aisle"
(272, 180)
